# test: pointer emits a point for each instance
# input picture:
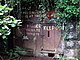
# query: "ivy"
(68, 9)
(69, 13)
(6, 23)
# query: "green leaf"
(15, 21)
(0, 34)
(16, 54)
(6, 27)
(13, 25)
(1, 21)
(4, 37)
(22, 52)
(3, 27)
(8, 33)
(1, 13)
(10, 9)
(1, 7)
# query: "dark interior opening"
(51, 54)
(41, 49)
(48, 34)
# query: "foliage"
(12, 3)
(13, 53)
(58, 22)
(6, 23)
(68, 9)
(48, 4)
(16, 52)
(69, 12)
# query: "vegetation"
(48, 4)
(68, 9)
(8, 22)
(69, 12)
(67, 15)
